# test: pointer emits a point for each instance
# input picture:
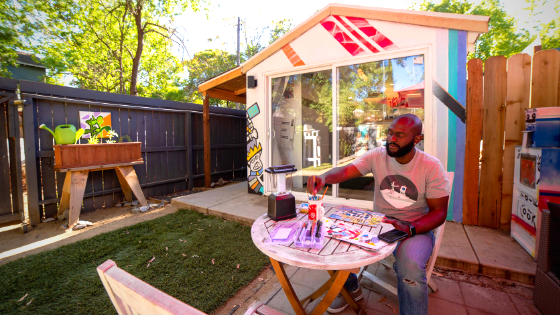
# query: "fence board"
(59, 118)
(136, 126)
(189, 153)
(5, 203)
(45, 116)
(151, 158)
(473, 137)
(493, 140)
(517, 100)
(32, 167)
(546, 79)
(179, 140)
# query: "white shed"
(325, 93)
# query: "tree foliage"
(120, 46)
(549, 32)
(503, 37)
(212, 62)
(15, 27)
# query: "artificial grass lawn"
(65, 280)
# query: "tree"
(211, 62)
(503, 37)
(121, 46)
(550, 32)
(203, 66)
(14, 28)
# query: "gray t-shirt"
(401, 189)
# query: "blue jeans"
(411, 257)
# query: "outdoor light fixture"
(251, 82)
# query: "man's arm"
(334, 176)
(437, 212)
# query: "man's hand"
(397, 224)
(314, 184)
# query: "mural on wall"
(254, 152)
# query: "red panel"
(346, 41)
(371, 32)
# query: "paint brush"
(325, 192)
(381, 229)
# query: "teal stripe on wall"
(452, 125)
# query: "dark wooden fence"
(172, 144)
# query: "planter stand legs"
(75, 185)
(129, 183)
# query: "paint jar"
(319, 211)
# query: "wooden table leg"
(348, 297)
(129, 183)
(287, 286)
(327, 300)
(65, 198)
(319, 292)
(78, 182)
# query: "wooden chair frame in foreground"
(131, 295)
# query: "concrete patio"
(466, 248)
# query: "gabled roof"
(27, 59)
(474, 24)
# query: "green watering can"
(63, 134)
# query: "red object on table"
(312, 212)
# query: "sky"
(222, 17)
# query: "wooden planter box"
(87, 155)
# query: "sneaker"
(340, 304)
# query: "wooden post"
(472, 145)
(15, 164)
(29, 133)
(206, 126)
(517, 100)
(546, 78)
(490, 199)
(189, 143)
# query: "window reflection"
(302, 124)
(369, 97)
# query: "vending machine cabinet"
(536, 182)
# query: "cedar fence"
(172, 145)
(496, 103)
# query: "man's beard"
(402, 151)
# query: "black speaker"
(251, 82)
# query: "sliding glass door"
(368, 98)
(301, 131)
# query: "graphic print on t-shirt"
(399, 191)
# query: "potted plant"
(96, 152)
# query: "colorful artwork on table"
(254, 152)
(357, 216)
(86, 115)
(347, 233)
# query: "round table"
(339, 258)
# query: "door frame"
(429, 104)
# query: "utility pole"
(238, 29)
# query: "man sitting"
(410, 185)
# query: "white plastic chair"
(438, 234)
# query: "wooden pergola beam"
(239, 92)
(227, 96)
(233, 73)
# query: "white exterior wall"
(318, 48)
